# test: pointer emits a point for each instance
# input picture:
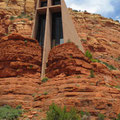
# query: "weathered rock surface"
(67, 59)
(70, 83)
(18, 90)
(20, 67)
(99, 35)
(18, 6)
(69, 86)
(81, 92)
(21, 24)
(19, 56)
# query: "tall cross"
(53, 26)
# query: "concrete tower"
(53, 26)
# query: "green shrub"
(109, 66)
(118, 118)
(118, 86)
(117, 20)
(95, 60)
(23, 14)
(69, 41)
(45, 93)
(25, 41)
(44, 79)
(101, 117)
(12, 18)
(82, 113)
(6, 34)
(83, 40)
(75, 11)
(19, 16)
(23, 21)
(88, 54)
(19, 107)
(31, 66)
(34, 94)
(118, 59)
(92, 74)
(57, 113)
(30, 18)
(78, 76)
(9, 113)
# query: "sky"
(107, 8)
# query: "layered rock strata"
(19, 56)
(72, 85)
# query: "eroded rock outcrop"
(99, 35)
(72, 85)
(18, 6)
(81, 92)
(21, 24)
(67, 59)
(19, 56)
(20, 67)
(70, 81)
(19, 90)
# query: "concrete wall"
(69, 31)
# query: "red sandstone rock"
(67, 59)
(96, 95)
(99, 35)
(19, 56)
(7, 25)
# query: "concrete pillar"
(69, 31)
(47, 42)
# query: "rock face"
(69, 70)
(4, 23)
(99, 35)
(20, 24)
(20, 67)
(18, 6)
(71, 84)
(19, 56)
(18, 90)
(82, 93)
(67, 59)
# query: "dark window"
(43, 3)
(41, 29)
(56, 2)
(57, 30)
